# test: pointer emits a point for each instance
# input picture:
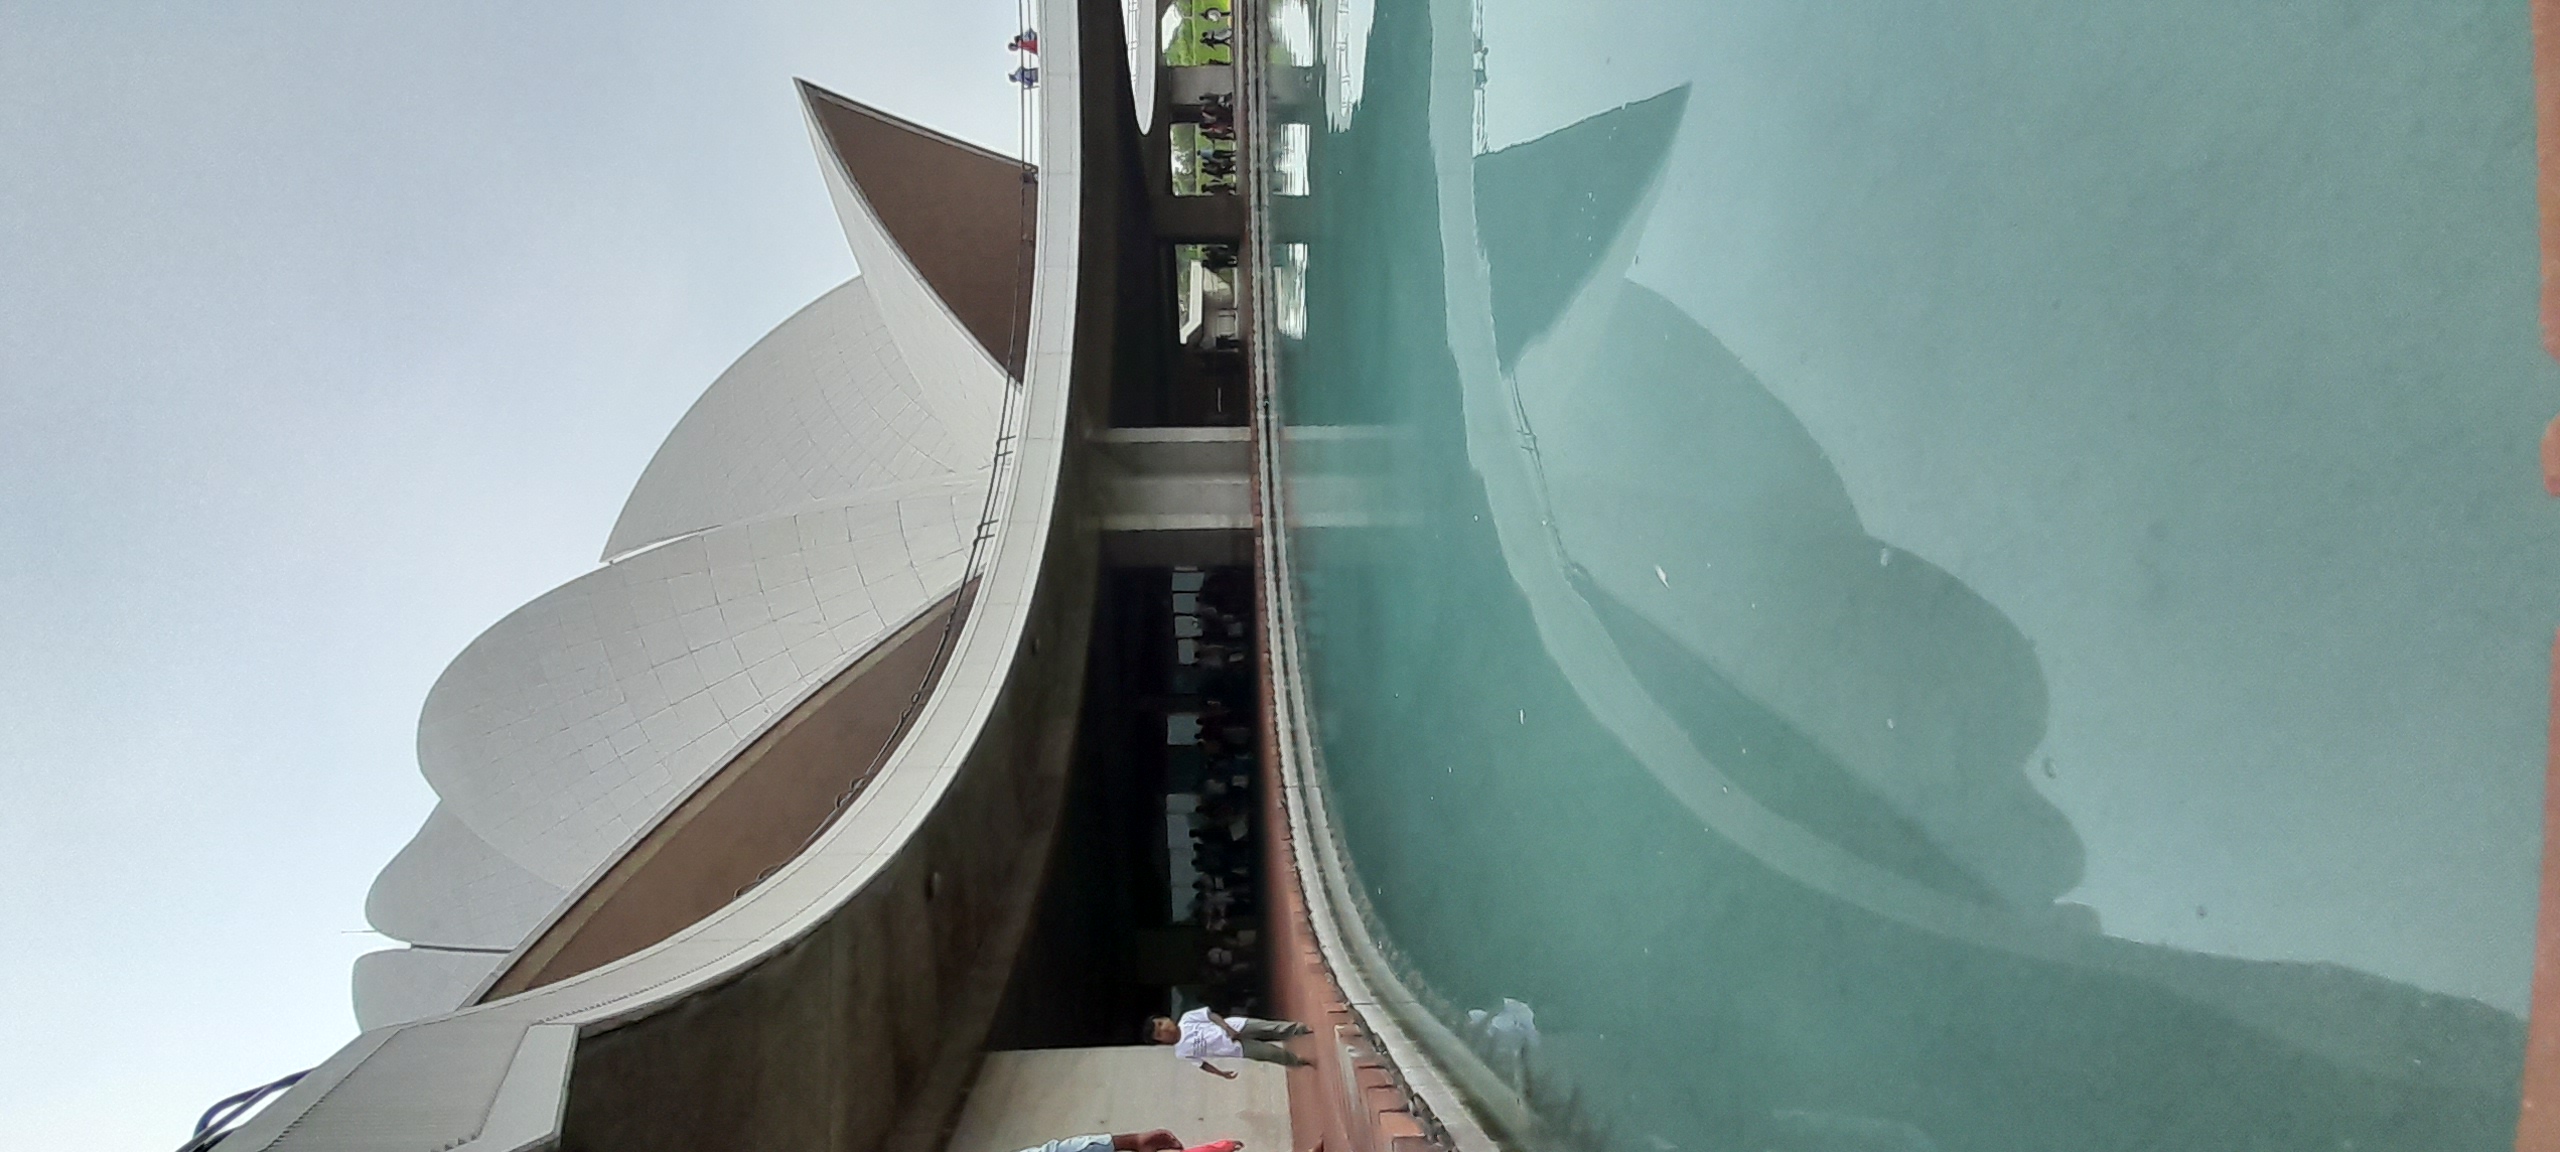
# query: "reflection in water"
(1629, 718)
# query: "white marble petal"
(497, 1076)
(404, 984)
(567, 727)
(450, 887)
(825, 407)
(969, 385)
(822, 493)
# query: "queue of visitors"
(1214, 761)
(1213, 769)
(1215, 118)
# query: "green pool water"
(1962, 575)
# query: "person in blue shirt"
(1152, 1140)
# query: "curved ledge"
(1464, 1102)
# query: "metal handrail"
(220, 1120)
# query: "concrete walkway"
(1024, 1098)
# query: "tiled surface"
(813, 501)
(450, 887)
(562, 732)
(934, 343)
(407, 983)
(823, 408)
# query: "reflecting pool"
(1963, 575)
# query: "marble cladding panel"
(449, 887)
(402, 984)
(823, 408)
(565, 729)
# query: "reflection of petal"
(823, 408)
(1773, 759)
(2373, 1026)
(1652, 451)
(566, 728)
(405, 984)
(1921, 688)
(450, 887)
(1504, 453)
(1549, 210)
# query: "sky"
(329, 334)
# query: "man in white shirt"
(1201, 1036)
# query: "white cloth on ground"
(1098, 1142)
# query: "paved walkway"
(1024, 1098)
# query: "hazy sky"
(329, 334)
